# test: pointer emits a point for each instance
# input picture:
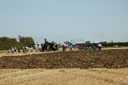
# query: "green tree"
(26, 41)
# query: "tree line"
(112, 44)
(7, 43)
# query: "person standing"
(71, 48)
(64, 48)
(23, 49)
(12, 50)
(18, 50)
(15, 49)
(31, 49)
(9, 51)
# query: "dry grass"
(64, 77)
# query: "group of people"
(17, 49)
(27, 49)
(13, 50)
(47, 46)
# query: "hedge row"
(115, 44)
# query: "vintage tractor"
(47, 46)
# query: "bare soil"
(75, 59)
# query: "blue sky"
(61, 20)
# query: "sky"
(62, 20)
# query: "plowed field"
(74, 59)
